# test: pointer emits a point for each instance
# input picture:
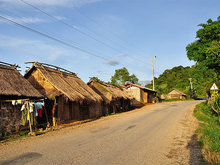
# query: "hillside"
(178, 77)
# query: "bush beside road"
(208, 132)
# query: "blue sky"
(123, 33)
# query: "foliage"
(215, 100)
(202, 79)
(95, 78)
(208, 131)
(177, 77)
(122, 76)
(206, 49)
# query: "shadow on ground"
(195, 151)
(22, 159)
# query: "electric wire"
(50, 37)
(80, 31)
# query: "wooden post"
(48, 124)
(106, 110)
(28, 108)
(53, 112)
(114, 109)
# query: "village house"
(141, 94)
(68, 97)
(13, 87)
(115, 99)
(176, 94)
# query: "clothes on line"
(31, 110)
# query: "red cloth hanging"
(40, 112)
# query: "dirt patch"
(185, 148)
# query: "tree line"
(205, 51)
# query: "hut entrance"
(49, 106)
(84, 112)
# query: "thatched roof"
(181, 93)
(67, 83)
(113, 92)
(14, 85)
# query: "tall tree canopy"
(177, 77)
(122, 75)
(206, 49)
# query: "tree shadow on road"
(195, 151)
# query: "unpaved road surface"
(155, 134)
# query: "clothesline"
(22, 100)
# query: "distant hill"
(178, 77)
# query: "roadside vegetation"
(209, 129)
(171, 100)
(204, 51)
(9, 137)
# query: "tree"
(177, 77)
(205, 51)
(122, 75)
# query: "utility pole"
(191, 84)
(153, 71)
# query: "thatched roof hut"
(73, 99)
(115, 99)
(58, 81)
(176, 94)
(14, 85)
(108, 91)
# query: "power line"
(50, 37)
(16, 16)
(80, 31)
(68, 25)
(53, 38)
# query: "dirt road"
(155, 134)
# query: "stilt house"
(72, 98)
(115, 99)
(141, 94)
(13, 86)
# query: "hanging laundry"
(35, 113)
(23, 107)
(39, 105)
(13, 102)
(40, 112)
(31, 107)
(38, 109)
(24, 114)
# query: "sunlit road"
(142, 136)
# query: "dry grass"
(14, 84)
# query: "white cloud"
(64, 3)
(25, 19)
(112, 62)
(122, 55)
(34, 48)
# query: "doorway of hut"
(104, 109)
(49, 104)
(84, 111)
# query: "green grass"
(8, 137)
(13, 137)
(208, 131)
(171, 100)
